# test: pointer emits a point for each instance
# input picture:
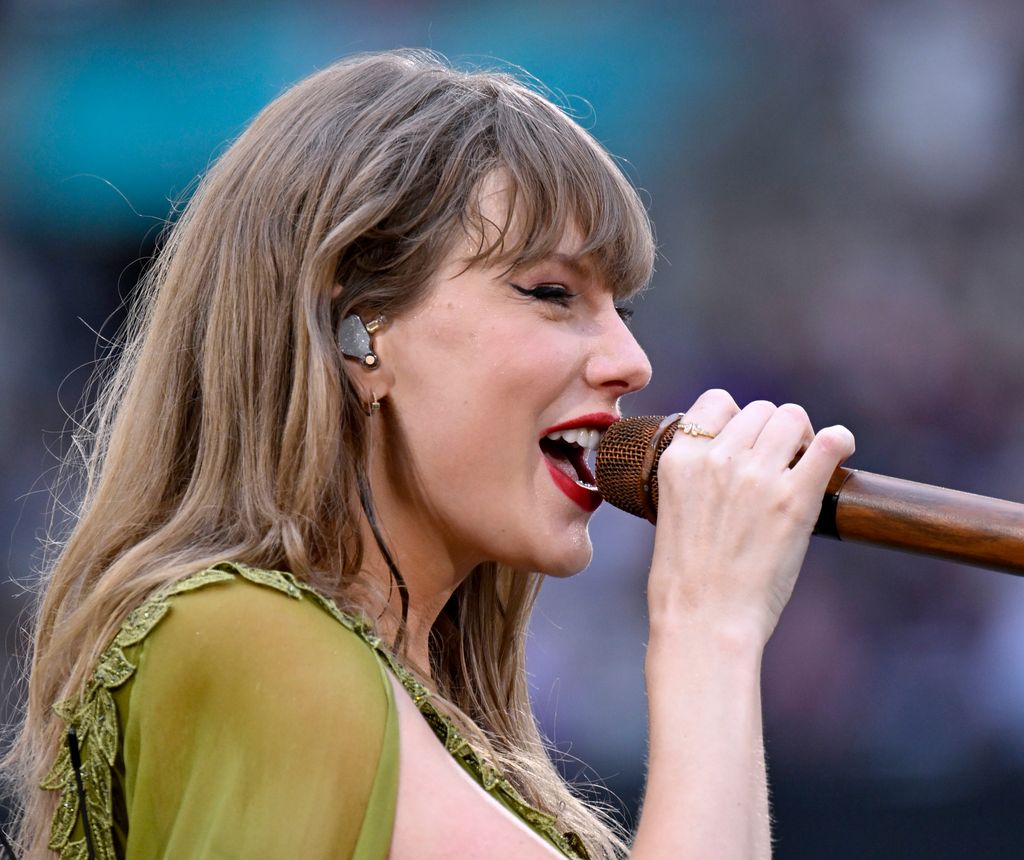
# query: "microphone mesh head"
(620, 461)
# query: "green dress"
(239, 713)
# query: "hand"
(734, 518)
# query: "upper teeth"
(581, 436)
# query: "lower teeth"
(566, 468)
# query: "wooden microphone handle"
(860, 506)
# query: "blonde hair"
(227, 427)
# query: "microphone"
(858, 506)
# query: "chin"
(557, 553)
(571, 560)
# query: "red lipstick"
(583, 496)
(589, 500)
(596, 420)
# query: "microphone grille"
(620, 462)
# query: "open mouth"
(571, 452)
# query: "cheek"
(484, 370)
(474, 388)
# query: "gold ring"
(691, 429)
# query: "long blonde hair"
(227, 427)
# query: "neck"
(430, 580)
(431, 562)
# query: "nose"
(618, 362)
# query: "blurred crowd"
(838, 190)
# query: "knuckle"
(673, 455)
(795, 412)
(675, 469)
(765, 407)
(718, 459)
(828, 442)
(718, 398)
(797, 417)
(676, 458)
(836, 441)
(791, 506)
(750, 474)
(847, 438)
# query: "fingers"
(713, 410)
(774, 435)
(743, 431)
(830, 447)
(777, 434)
(786, 433)
(734, 518)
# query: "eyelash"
(562, 297)
(547, 293)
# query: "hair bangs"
(558, 182)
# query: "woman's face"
(479, 374)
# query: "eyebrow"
(579, 266)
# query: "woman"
(328, 465)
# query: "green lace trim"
(93, 715)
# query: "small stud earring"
(354, 339)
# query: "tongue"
(572, 461)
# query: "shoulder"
(253, 628)
(252, 701)
(224, 699)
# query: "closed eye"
(554, 293)
(559, 295)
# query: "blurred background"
(838, 189)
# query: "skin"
(734, 524)
(460, 478)
(469, 381)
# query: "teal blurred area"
(111, 120)
(838, 190)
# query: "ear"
(363, 344)
(372, 383)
